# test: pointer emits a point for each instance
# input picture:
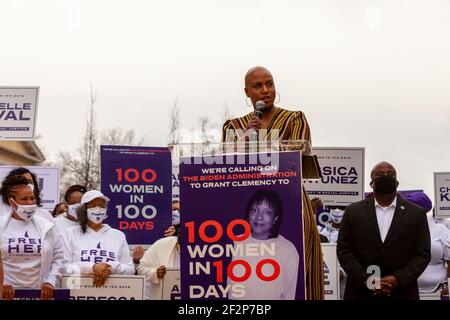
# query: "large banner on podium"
(242, 231)
(138, 181)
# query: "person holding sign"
(30, 246)
(284, 125)
(384, 242)
(95, 248)
(264, 213)
(162, 254)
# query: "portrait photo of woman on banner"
(264, 213)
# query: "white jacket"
(52, 253)
(107, 239)
(161, 253)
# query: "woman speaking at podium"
(269, 120)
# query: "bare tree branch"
(83, 166)
(118, 136)
(174, 137)
(226, 113)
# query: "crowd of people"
(37, 247)
(395, 234)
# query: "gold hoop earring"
(279, 97)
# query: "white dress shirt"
(384, 217)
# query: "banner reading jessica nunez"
(138, 181)
(242, 229)
(342, 180)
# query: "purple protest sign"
(139, 183)
(35, 294)
(242, 228)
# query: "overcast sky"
(367, 73)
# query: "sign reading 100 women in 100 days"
(18, 110)
(242, 232)
(138, 181)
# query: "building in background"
(21, 153)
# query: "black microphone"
(259, 107)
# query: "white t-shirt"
(63, 223)
(436, 271)
(106, 245)
(284, 286)
(21, 254)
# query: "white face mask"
(175, 217)
(73, 210)
(96, 214)
(336, 215)
(25, 212)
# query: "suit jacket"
(405, 253)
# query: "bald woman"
(288, 125)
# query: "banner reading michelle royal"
(242, 230)
(18, 112)
(138, 181)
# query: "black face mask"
(385, 184)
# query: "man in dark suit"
(385, 235)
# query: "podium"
(240, 210)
